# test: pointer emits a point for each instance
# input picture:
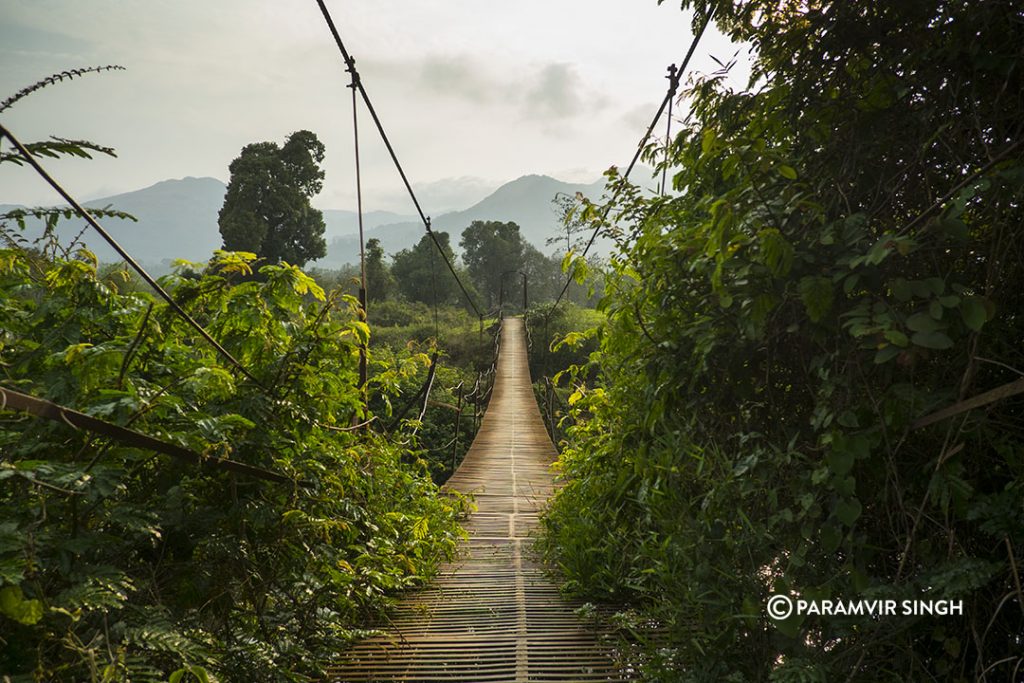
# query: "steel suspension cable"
(175, 306)
(674, 78)
(391, 151)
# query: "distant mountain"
(341, 223)
(526, 201)
(178, 220)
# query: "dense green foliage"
(464, 352)
(840, 257)
(492, 251)
(380, 283)
(266, 209)
(117, 563)
(559, 338)
(422, 276)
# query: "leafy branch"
(55, 147)
(55, 78)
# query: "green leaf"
(790, 627)
(936, 285)
(14, 605)
(932, 340)
(850, 282)
(848, 510)
(707, 141)
(831, 536)
(776, 252)
(896, 337)
(923, 322)
(886, 354)
(901, 289)
(786, 171)
(817, 296)
(840, 461)
(848, 418)
(974, 314)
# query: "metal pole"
(458, 424)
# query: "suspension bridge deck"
(493, 615)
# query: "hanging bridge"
(493, 615)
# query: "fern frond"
(54, 147)
(52, 214)
(54, 78)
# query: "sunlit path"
(492, 616)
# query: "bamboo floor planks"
(492, 615)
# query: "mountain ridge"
(178, 220)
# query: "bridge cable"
(433, 287)
(668, 128)
(127, 257)
(673, 85)
(391, 151)
(359, 212)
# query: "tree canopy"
(837, 264)
(490, 250)
(380, 283)
(266, 209)
(420, 273)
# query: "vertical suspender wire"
(433, 285)
(394, 157)
(359, 210)
(674, 80)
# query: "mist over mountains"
(526, 201)
(177, 219)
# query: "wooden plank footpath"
(493, 615)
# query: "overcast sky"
(473, 93)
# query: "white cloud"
(466, 89)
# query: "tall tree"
(490, 250)
(266, 209)
(380, 283)
(543, 274)
(420, 272)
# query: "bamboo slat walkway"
(493, 615)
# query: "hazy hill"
(341, 223)
(526, 201)
(178, 220)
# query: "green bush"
(117, 563)
(838, 260)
